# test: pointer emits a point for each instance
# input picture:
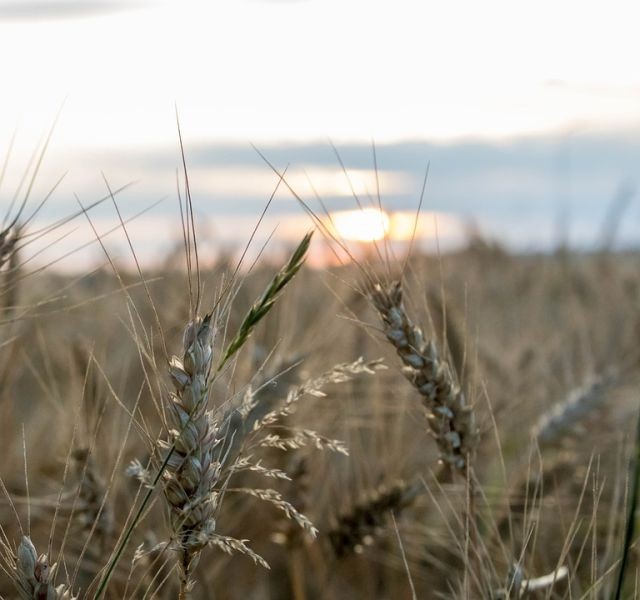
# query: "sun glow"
(372, 224)
(366, 225)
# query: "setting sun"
(372, 224)
(366, 225)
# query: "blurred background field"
(524, 332)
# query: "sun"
(366, 225)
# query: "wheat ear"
(568, 418)
(451, 420)
(34, 575)
(264, 304)
(191, 472)
(358, 525)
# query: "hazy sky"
(286, 69)
(446, 75)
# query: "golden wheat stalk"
(191, 471)
(451, 420)
(358, 525)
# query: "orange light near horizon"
(371, 225)
(403, 226)
(407, 225)
(366, 225)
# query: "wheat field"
(426, 426)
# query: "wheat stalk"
(451, 420)
(191, 471)
(567, 418)
(358, 525)
(518, 587)
(264, 304)
(9, 238)
(94, 514)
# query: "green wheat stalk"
(261, 307)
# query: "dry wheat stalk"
(294, 438)
(11, 283)
(445, 322)
(290, 438)
(299, 481)
(451, 420)
(528, 492)
(191, 472)
(95, 518)
(9, 238)
(518, 587)
(259, 399)
(153, 560)
(34, 575)
(569, 417)
(358, 525)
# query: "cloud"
(45, 10)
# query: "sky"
(521, 102)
